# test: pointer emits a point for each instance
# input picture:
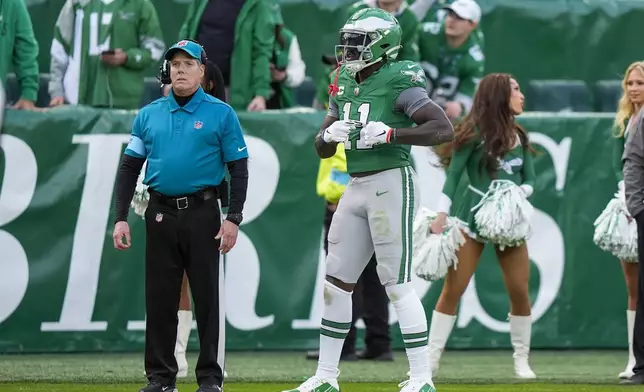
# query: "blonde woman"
(629, 105)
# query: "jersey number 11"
(363, 110)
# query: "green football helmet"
(369, 36)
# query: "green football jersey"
(375, 100)
(85, 29)
(452, 73)
(408, 24)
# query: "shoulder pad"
(408, 74)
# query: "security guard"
(369, 298)
(187, 138)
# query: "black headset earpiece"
(164, 73)
(164, 69)
(204, 56)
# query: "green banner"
(65, 288)
(574, 39)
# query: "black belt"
(183, 202)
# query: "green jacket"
(322, 87)
(254, 40)
(18, 47)
(131, 25)
(281, 61)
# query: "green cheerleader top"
(516, 165)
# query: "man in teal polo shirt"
(188, 138)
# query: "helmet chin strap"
(333, 88)
(366, 65)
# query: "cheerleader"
(629, 106)
(492, 149)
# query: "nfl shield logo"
(356, 91)
(198, 124)
(159, 217)
(182, 43)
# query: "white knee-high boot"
(630, 323)
(439, 330)
(520, 335)
(183, 334)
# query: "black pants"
(638, 330)
(370, 302)
(179, 239)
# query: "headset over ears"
(164, 69)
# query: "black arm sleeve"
(238, 185)
(126, 184)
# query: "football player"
(378, 109)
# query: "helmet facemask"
(354, 51)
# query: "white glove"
(375, 132)
(338, 132)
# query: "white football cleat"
(417, 385)
(315, 384)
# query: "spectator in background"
(408, 23)
(451, 57)
(434, 11)
(102, 62)
(287, 67)
(19, 48)
(239, 35)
